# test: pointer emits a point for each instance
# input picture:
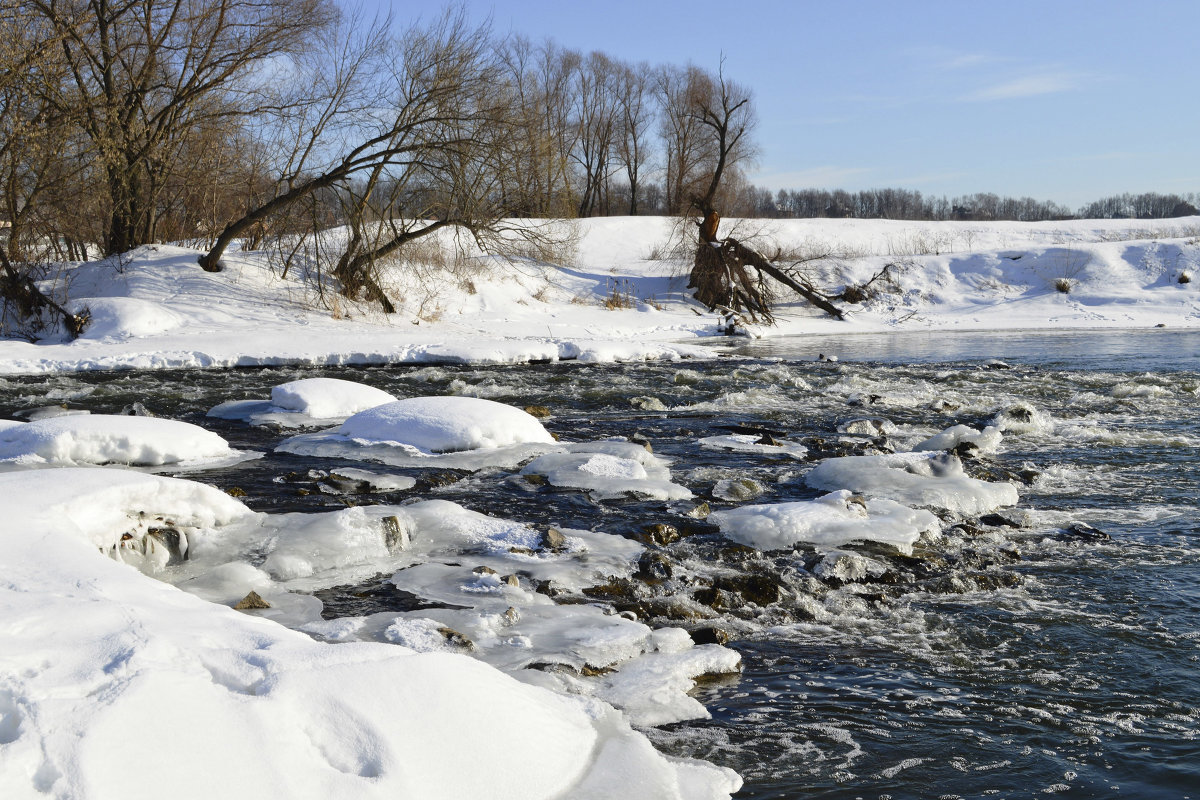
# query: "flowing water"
(1013, 657)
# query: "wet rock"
(966, 450)
(541, 412)
(679, 609)
(456, 639)
(484, 570)
(762, 590)
(251, 601)
(1018, 413)
(547, 588)
(699, 512)
(533, 479)
(512, 615)
(710, 636)
(340, 484)
(1000, 521)
(174, 541)
(440, 479)
(867, 426)
(395, 536)
(715, 598)
(647, 403)
(659, 533)
(1028, 475)
(737, 489)
(996, 364)
(943, 406)
(768, 440)
(654, 566)
(1081, 531)
(234, 491)
(137, 410)
(638, 438)
(552, 539)
(511, 580)
(615, 589)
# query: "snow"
(105, 439)
(123, 671)
(935, 480)
(830, 521)
(304, 402)
(97, 657)
(157, 309)
(444, 424)
(609, 470)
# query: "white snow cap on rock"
(830, 521)
(109, 439)
(445, 424)
(327, 398)
(936, 480)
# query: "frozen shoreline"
(158, 310)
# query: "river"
(1018, 657)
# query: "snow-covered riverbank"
(156, 309)
(116, 684)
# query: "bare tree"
(141, 77)
(636, 117)
(430, 152)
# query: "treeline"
(123, 124)
(128, 123)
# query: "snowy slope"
(155, 308)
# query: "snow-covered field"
(155, 308)
(113, 683)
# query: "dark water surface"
(1038, 662)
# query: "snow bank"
(235, 705)
(104, 439)
(935, 480)
(827, 522)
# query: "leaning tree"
(728, 275)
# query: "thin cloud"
(1029, 86)
(831, 176)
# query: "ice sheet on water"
(609, 470)
(930, 479)
(79, 439)
(830, 521)
(750, 443)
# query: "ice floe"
(985, 441)
(833, 520)
(930, 479)
(751, 443)
(608, 470)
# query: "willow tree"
(728, 275)
(415, 137)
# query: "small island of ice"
(308, 401)
(106, 439)
(828, 522)
(929, 479)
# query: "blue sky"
(1067, 101)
